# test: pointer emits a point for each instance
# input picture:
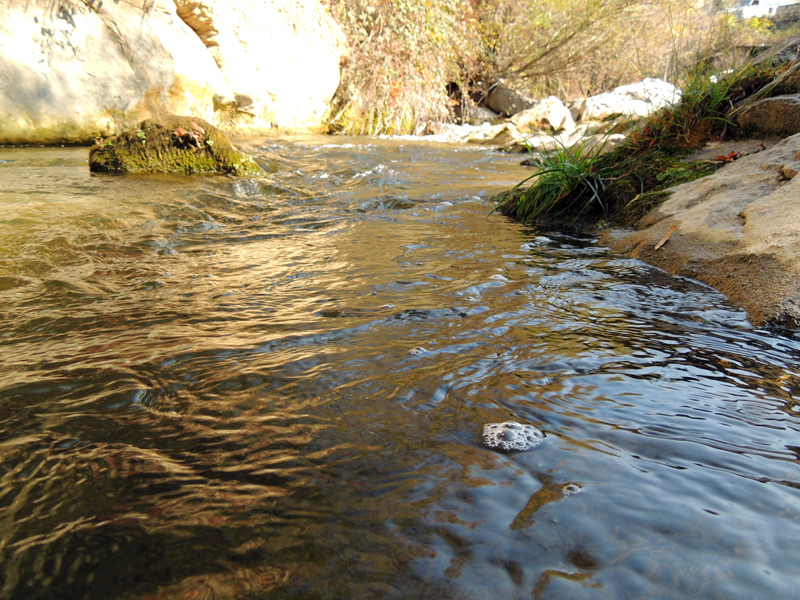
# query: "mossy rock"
(171, 144)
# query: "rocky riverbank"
(736, 229)
(512, 122)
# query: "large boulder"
(71, 70)
(77, 69)
(171, 144)
(634, 100)
(281, 59)
(505, 101)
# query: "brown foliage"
(406, 54)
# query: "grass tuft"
(569, 180)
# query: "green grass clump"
(569, 180)
(706, 104)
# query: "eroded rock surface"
(737, 230)
(281, 59)
(779, 115)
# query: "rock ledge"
(737, 230)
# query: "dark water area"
(275, 388)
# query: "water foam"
(511, 436)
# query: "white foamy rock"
(511, 437)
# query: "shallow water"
(275, 388)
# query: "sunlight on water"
(277, 388)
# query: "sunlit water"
(275, 388)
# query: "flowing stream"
(276, 387)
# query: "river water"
(275, 388)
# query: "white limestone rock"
(634, 100)
(280, 58)
(73, 70)
(77, 69)
(545, 114)
(502, 134)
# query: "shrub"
(402, 56)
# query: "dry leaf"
(732, 156)
(666, 237)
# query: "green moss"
(686, 172)
(632, 213)
(172, 144)
(650, 170)
(643, 203)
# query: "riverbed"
(276, 387)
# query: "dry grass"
(407, 54)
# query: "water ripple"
(276, 387)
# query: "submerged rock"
(171, 144)
(511, 436)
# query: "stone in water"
(511, 437)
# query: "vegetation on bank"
(414, 62)
(574, 187)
